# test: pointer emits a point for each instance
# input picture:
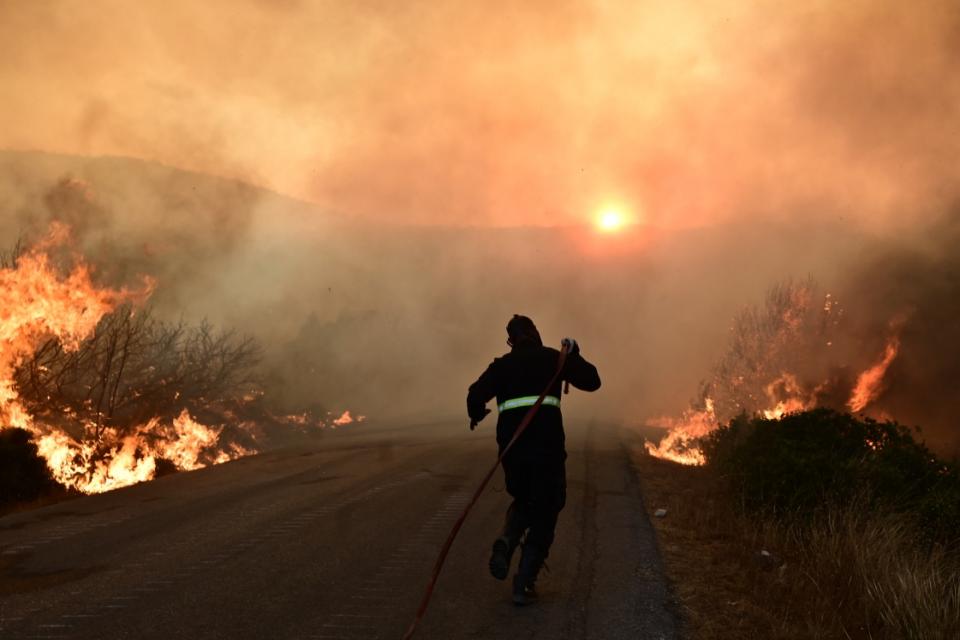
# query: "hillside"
(379, 317)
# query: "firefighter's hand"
(475, 421)
(571, 345)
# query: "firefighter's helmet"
(522, 332)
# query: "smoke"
(917, 283)
(130, 218)
(448, 112)
(439, 162)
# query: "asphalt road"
(330, 539)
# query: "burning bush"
(135, 368)
(778, 353)
(125, 402)
(791, 354)
(113, 395)
(24, 475)
(105, 390)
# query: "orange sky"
(683, 113)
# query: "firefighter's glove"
(571, 345)
(475, 421)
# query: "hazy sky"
(506, 113)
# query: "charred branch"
(136, 367)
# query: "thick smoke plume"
(447, 158)
(917, 282)
(505, 113)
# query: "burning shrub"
(778, 353)
(789, 355)
(798, 465)
(134, 368)
(24, 475)
(110, 394)
(122, 405)
(98, 382)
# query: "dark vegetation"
(136, 367)
(795, 468)
(818, 525)
(24, 476)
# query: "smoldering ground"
(452, 156)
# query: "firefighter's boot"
(524, 583)
(506, 544)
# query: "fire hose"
(438, 565)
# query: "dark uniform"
(534, 468)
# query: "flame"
(232, 452)
(345, 419)
(37, 303)
(306, 420)
(78, 464)
(116, 459)
(190, 439)
(870, 383)
(679, 445)
(780, 335)
(788, 397)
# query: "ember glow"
(345, 418)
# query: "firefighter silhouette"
(534, 468)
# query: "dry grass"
(853, 574)
(912, 590)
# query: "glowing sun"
(611, 220)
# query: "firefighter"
(534, 468)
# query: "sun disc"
(611, 220)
